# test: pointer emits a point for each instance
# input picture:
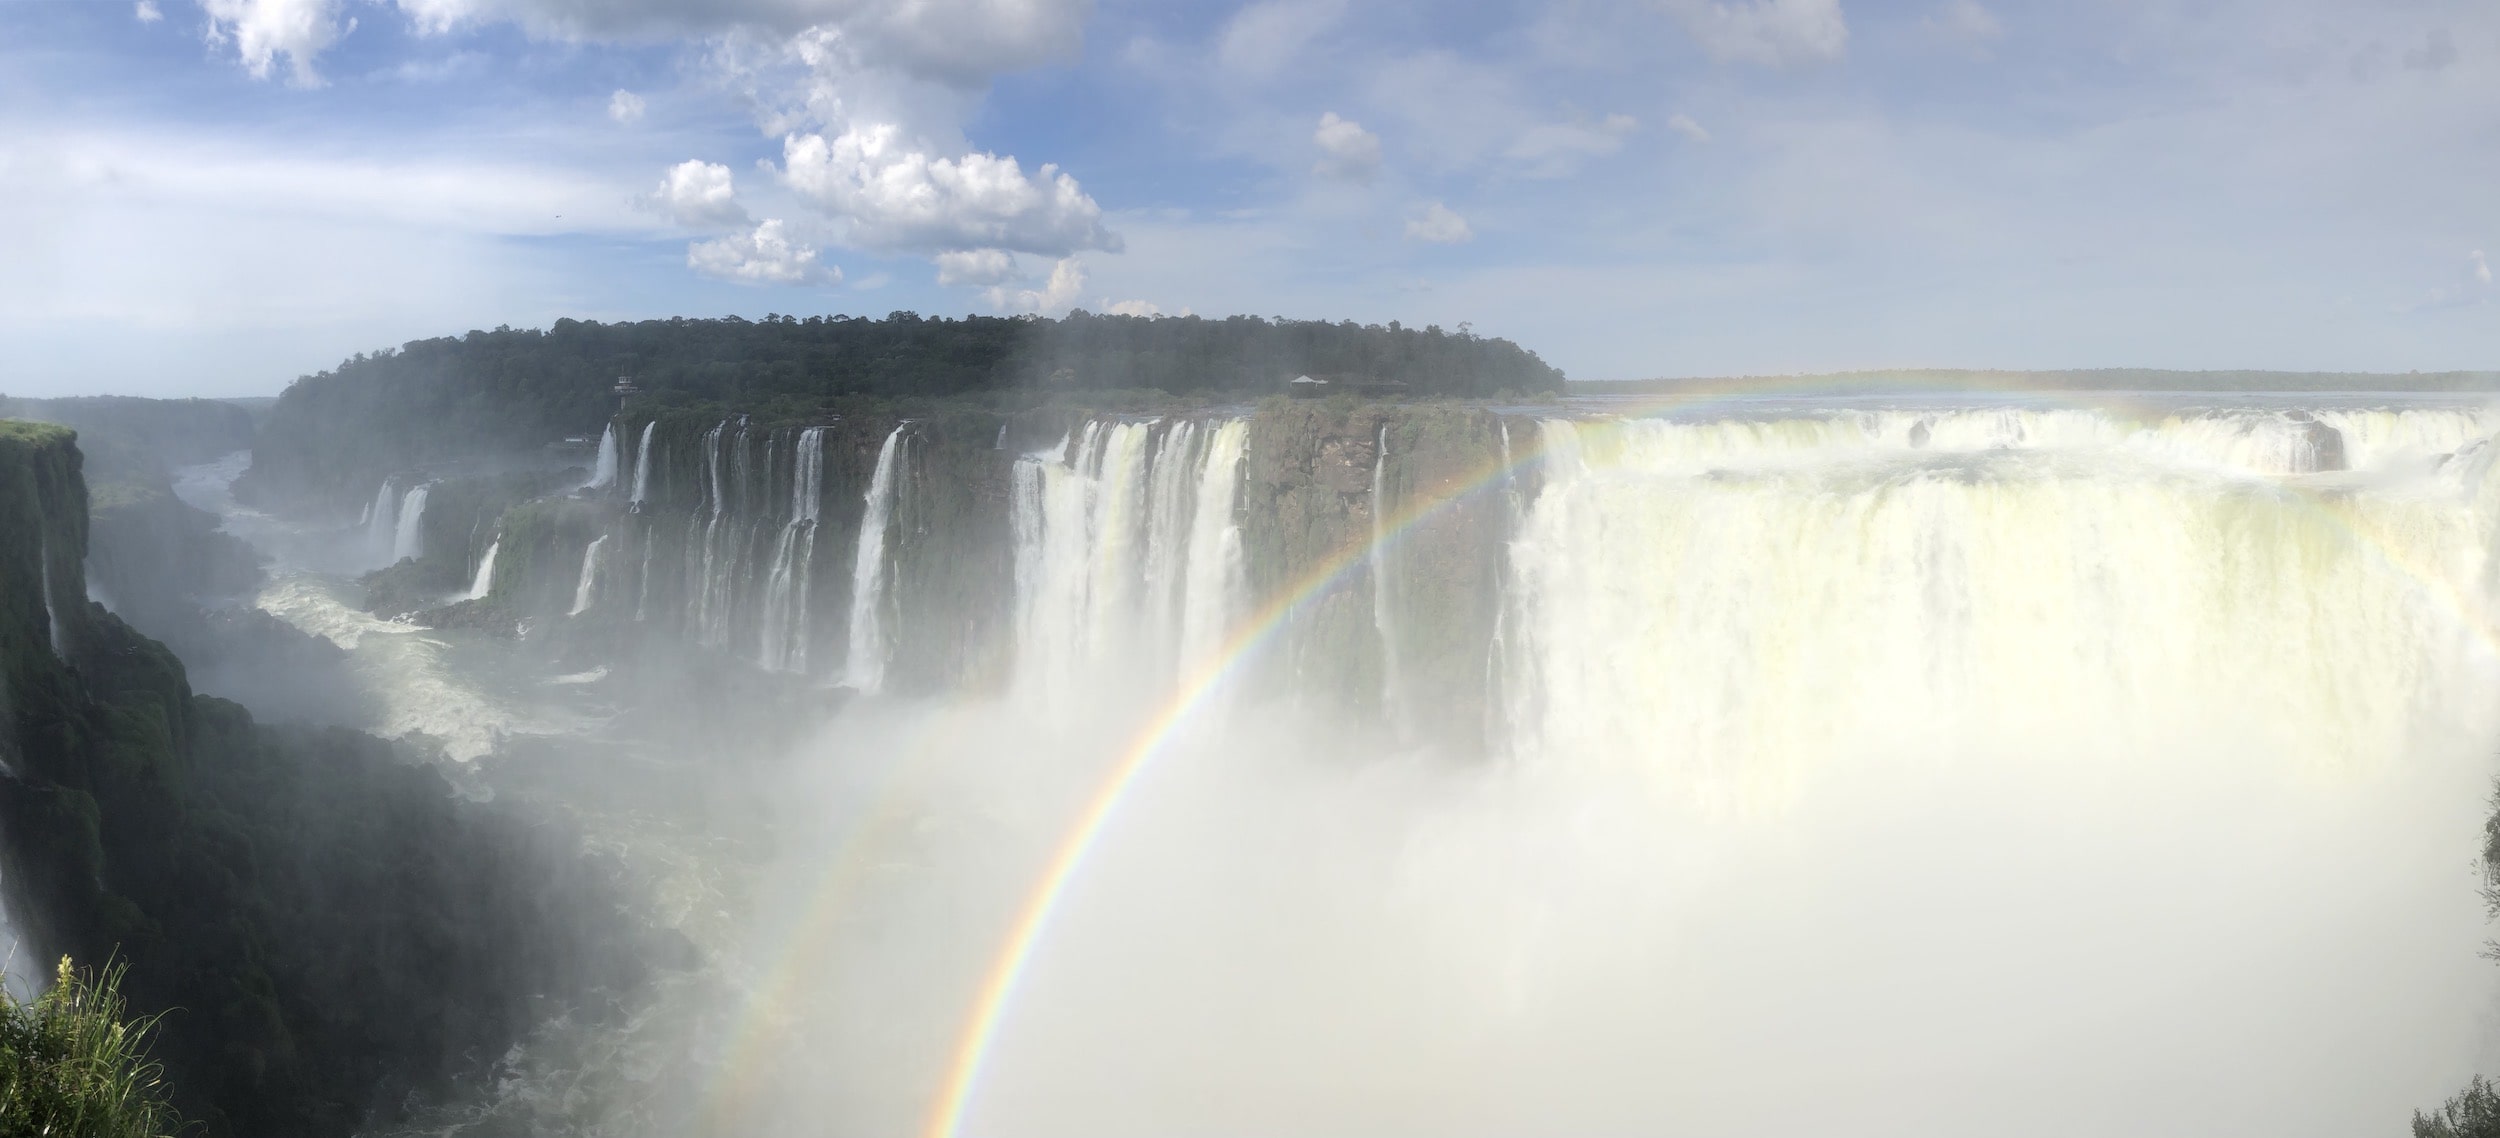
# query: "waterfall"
(603, 470)
(485, 581)
(382, 521)
(1171, 480)
(642, 465)
(864, 667)
(785, 632)
(1384, 600)
(408, 539)
(583, 590)
(1996, 570)
(710, 557)
(53, 629)
(1217, 581)
(1128, 559)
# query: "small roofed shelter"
(1306, 387)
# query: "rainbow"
(1249, 638)
(998, 987)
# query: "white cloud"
(1112, 307)
(1067, 279)
(1964, 24)
(1440, 225)
(1346, 149)
(764, 255)
(1683, 124)
(960, 42)
(700, 195)
(262, 30)
(977, 267)
(2482, 268)
(1773, 33)
(625, 106)
(148, 12)
(1554, 150)
(1263, 39)
(895, 196)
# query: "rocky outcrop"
(335, 936)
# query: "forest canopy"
(508, 391)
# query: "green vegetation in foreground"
(73, 1065)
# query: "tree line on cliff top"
(511, 390)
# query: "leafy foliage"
(73, 1064)
(2473, 1113)
(333, 436)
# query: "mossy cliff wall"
(335, 936)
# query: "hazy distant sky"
(219, 195)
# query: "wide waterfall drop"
(408, 538)
(864, 665)
(642, 465)
(603, 469)
(1882, 770)
(592, 561)
(786, 631)
(485, 582)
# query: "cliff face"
(907, 553)
(341, 936)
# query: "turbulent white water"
(409, 538)
(593, 563)
(485, 580)
(603, 469)
(864, 664)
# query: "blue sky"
(214, 196)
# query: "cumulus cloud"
(2482, 268)
(868, 96)
(148, 12)
(262, 30)
(1683, 124)
(764, 255)
(700, 195)
(896, 196)
(1130, 308)
(1554, 150)
(1773, 33)
(1067, 279)
(976, 267)
(1440, 225)
(1346, 150)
